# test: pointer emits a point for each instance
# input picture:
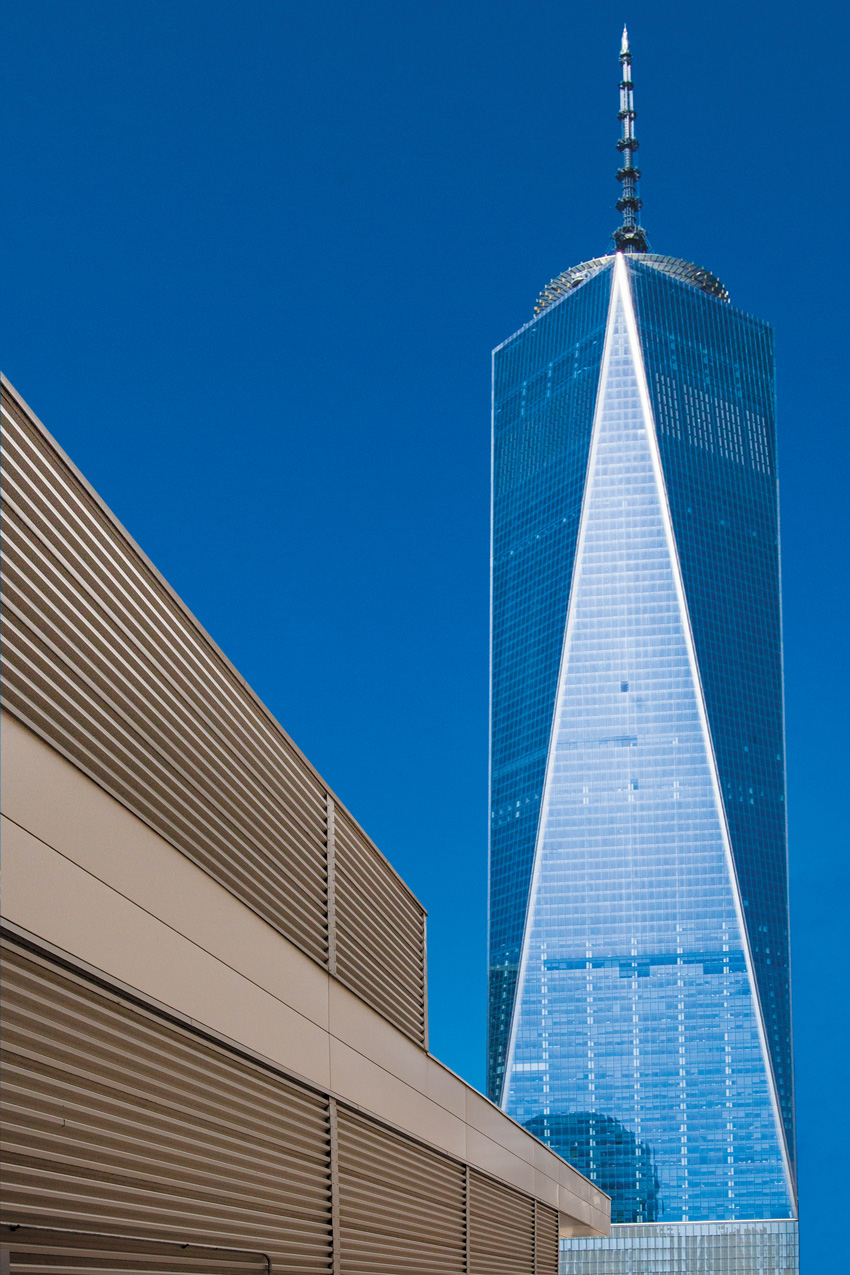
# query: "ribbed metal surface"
(139, 1134)
(61, 1251)
(401, 1205)
(545, 1240)
(380, 939)
(105, 664)
(101, 661)
(501, 1230)
(115, 1120)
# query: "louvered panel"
(54, 1251)
(501, 1228)
(117, 1120)
(380, 931)
(105, 635)
(52, 700)
(546, 1241)
(35, 596)
(130, 612)
(106, 665)
(401, 1205)
(110, 669)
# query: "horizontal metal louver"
(36, 1250)
(131, 1143)
(116, 1120)
(401, 1205)
(380, 933)
(501, 1229)
(546, 1240)
(105, 664)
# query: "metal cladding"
(138, 1143)
(153, 712)
(169, 1117)
(215, 1028)
(630, 236)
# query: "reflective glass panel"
(710, 374)
(636, 1050)
(708, 1248)
(544, 387)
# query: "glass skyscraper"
(639, 1016)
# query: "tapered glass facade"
(639, 977)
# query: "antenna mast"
(630, 236)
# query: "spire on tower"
(630, 236)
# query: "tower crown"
(630, 236)
(684, 271)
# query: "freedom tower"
(639, 1002)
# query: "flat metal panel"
(402, 1206)
(116, 1120)
(501, 1229)
(105, 664)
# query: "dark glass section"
(710, 373)
(610, 1155)
(544, 389)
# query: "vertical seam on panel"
(331, 882)
(424, 981)
(487, 1060)
(467, 1255)
(333, 1131)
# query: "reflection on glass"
(639, 1009)
(609, 1154)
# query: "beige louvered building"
(215, 1029)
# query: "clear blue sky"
(256, 257)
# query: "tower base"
(687, 1248)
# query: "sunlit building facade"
(639, 971)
